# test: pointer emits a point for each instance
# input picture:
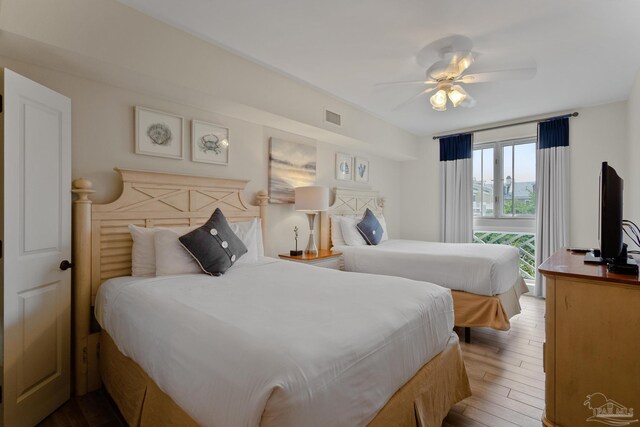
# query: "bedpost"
(324, 230)
(81, 281)
(263, 199)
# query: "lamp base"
(311, 249)
(295, 253)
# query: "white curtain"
(552, 231)
(456, 195)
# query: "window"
(504, 179)
(504, 197)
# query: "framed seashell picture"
(209, 143)
(158, 133)
(361, 170)
(344, 167)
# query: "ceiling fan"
(446, 76)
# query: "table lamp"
(311, 200)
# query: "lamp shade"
(312, 198)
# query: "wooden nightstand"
(325, 258)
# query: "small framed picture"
(158, 133)
(361, 170)
(209, 143)
(344, 167)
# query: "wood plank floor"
(505, 372)
(504, 368)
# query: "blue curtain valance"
(456, 147)
(553, 133)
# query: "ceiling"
(586, 50)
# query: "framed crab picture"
(209, 143)
(158, 133)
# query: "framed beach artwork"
(209, 143)
(344, 167)
(158, 133)
(361, 169)
(291, 164)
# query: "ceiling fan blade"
(490, 76)
(409, 82)
(413, 98)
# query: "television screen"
(611, 238)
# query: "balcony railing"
(525, 242)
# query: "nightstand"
(325, 258)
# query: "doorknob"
(65, 265)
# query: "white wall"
(107, 41)
(597, 134)
(632, 183)
(103, 138)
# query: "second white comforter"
(469, 267)
(277, 343)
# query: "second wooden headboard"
(348, 202)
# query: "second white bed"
(479, 269)
(277, 343)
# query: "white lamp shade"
(312, 198)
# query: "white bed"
(270, 343)
(479, 269)
(484, 279)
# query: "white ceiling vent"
(333, 118)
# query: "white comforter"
(475, 268)
(277, 343)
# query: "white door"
(36, 238)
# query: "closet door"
(36, 239)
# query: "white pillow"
(248, 232)
(143, 253)
(171, 257)
(383, 224)
(336, 231)
(350, 232)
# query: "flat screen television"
(611, 234)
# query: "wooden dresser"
(592, 349)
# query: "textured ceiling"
(586, 51)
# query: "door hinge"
(1, 103)
(1, 248)
(0, 394)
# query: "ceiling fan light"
(457, 95)
(439, 100)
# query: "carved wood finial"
(82, 187)
(263, 198)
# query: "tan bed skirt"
(423, 401)
(472, 310)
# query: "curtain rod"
(564, 116)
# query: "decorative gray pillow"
(370, 228)
(214, 246)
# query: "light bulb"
(439, 100)
(457, 95)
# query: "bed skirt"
(473, 310)
(423, 401)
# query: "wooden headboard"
(102, 242)
(348, 202)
